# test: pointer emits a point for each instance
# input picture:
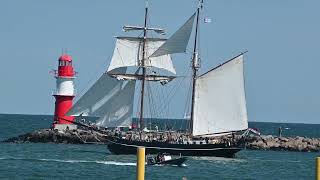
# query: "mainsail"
(220, 104)
(128, 52)
(103, 97)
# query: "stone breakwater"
(302, 144)
(263, 142)
(54, 136)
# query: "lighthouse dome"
(65, 57)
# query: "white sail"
(119, 109)
(178, 42)
(220, 104)
(128, 52)
(98, 94)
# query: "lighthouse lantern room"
(64, 94)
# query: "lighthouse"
(64, 93)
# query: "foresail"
(220, 104)
(98, 95)
(178, 42)
(118, 111)
(128, 52)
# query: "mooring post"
(318, 168)
(141, 161)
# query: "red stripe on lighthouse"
(62, 106)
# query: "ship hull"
(120, 146)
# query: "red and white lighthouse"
(64, 93)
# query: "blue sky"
(282, 38)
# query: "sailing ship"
(218, 104)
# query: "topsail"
(128, 52)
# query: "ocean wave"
(218, 159)
(72, 161)
(276, 160)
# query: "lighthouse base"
(63, 127)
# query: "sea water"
(69, 161)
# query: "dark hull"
(121, 146)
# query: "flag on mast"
(207, 19)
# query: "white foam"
(73, 161)
(99, 162)
(116, 163)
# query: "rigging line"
(154, 96)
(137, 103)
(188, 97)
(163, 101)
(171, 94)
(160, 99)
(148, 93)
(155, 109)
(173, 91)
(187, 107)
(152, 103)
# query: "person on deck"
(280, 131)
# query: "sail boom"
(141, 28)
(139, 38)
(220, 133)
(140, 77)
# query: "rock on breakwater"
(78, 136)
(82, 136)
(302, 144)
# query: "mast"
(141, 121)
(195, 65)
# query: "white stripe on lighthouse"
(65, 86)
